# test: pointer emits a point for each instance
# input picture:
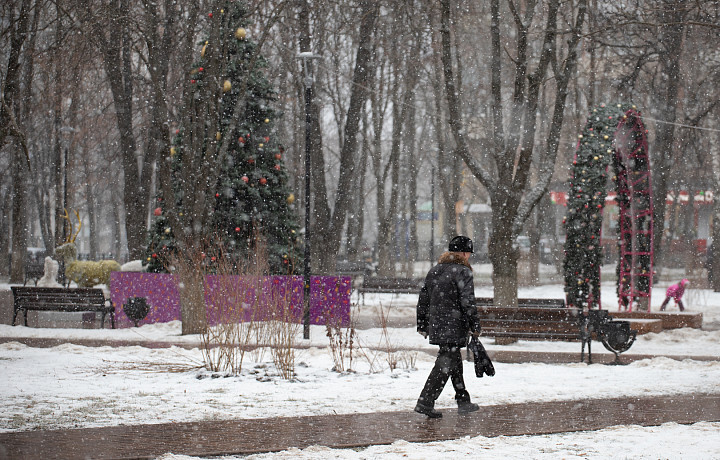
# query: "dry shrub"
(235, 311)
(408, 359)
(247, 313)
(387, 349)
(342, 342)
(387, 345)
(282, 330)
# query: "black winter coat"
(446, 307)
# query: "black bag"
(483, 365)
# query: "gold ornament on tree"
(291, 198)
(240, 33)
(227, 86)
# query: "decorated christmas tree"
(251, 196)
(598, 148)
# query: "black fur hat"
(461, 244)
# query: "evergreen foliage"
(586, 200)
(252, 195)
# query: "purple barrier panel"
(235, 298)
(159, 289)
(329, 297)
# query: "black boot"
(466, 407)
(427, 410)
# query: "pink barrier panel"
(329, 297)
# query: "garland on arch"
(586, 200)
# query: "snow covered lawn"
(71, 386)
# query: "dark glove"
(483, 365)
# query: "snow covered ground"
(71, 386)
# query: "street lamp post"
(432, 217)
(308, 82)
(67, 132)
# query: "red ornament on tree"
(277, 167)
(200, 69)
(209, 15)
(267, 139)
(158, 211)
(241, 140)
(278, 156)
(245, 179)
(217, 195)
(154, 256)
(237, 229)
(263, 181)
(251, 160)
(192, 81)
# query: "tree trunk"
(115, 45)
(19, 220)
(92, 218)
(671, 33)
(534, 254)
(117, 229)
(329, 228)
(356, 220)
(714, 260)
(386, 226)
(5, 205)
(412, 188)
(60, 160)
(9, 128)
(503, 256)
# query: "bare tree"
(9, 129)
(326, 235)
(513, 141)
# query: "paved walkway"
(354, 430)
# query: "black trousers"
(448, 364)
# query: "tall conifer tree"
(251, 195)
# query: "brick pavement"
(354, 430)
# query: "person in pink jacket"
(676, 292)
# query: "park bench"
(539, 319)
(379, 285)
(61, 299)
(352, 268)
